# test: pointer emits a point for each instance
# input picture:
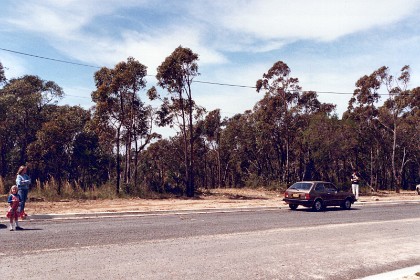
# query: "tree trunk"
(190, 189)
(219, 168)
(371, 167)
(136, 163)
(394, 168)
(3, 170)
(118, 186)
(184, 136)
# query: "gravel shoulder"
(212, 199)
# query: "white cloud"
(214, 30)
(63, 24)
(13, 66)
(62, 19)
(152, 49)
(46, 19)
(206, 27)
(149, 49)
(277, 20)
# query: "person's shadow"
(2, 226)
(28, 229)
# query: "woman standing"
(22, 182)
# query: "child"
(14, 208)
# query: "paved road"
(273, 244)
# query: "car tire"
(293, 206)
(346, 204)
(318, 205)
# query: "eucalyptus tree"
(7, 132)
(141, 129)
(176, 75)
(50, 154)
(362, 116)
(318, 141)
(240, 160)
(212, 128)
(89, 163)
(323, 149)
(4, 138)
(387, 117)
(391, 116)
(409, 142)
(27, 98)
(160, 168)
(230, 144)
(265, 153)
(411, 132)
(118, 108)
(278, 109)
(2, 75)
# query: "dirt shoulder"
(213, 199)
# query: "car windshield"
(301, 186)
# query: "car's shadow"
(328, 209)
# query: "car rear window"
(301, 186)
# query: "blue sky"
(328, 44)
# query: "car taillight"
(286, 195)
(307, 196)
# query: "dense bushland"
(111, 149)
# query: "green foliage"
(176, 74)
(2, 75)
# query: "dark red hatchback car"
(318, 195)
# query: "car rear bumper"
(306, 203)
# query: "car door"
(321, 193)
(332, 194)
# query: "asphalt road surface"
(254, 244)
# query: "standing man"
(355, 184)
(22, 182)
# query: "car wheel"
(293, 206)
(346, 204)
(317, 205)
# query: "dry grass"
(53, 191)
(206, 199)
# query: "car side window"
(320, 188)
(331, 188)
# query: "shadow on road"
(328, 209)
(2, 226)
